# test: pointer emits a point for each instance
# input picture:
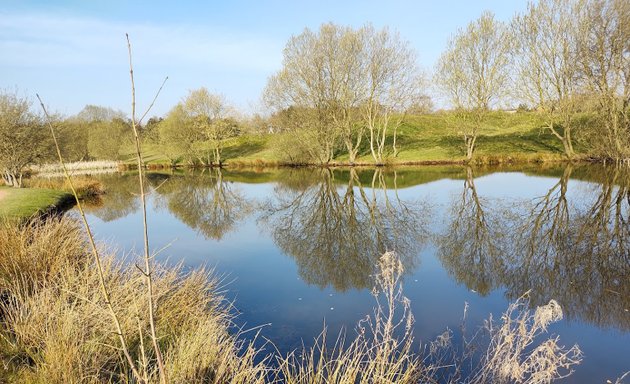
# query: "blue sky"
(73, 53)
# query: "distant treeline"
(344, 93)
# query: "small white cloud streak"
(57, 40)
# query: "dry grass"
(381, 352)
(77, 168)
(520, 353)
(33, 255)
(56, 328)
(87, 187)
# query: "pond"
(298, 248)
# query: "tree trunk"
(12, 179)
(568, 148)
(394, 143)
(470, 146)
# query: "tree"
(344, 81)
(474, 73)
(91, 113)
(319, 78)
(105, 138)
(106, 131)
(23, 139)
(176, 136)
(604, 63)
(546, 41)
(209, 113)
(393, 86)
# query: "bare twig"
(147, 259)
(95, 253)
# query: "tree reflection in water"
(471, 247)
(205, 202)
(120, 198)
(336, 235)
(571, 247)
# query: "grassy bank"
(21, 203)
(422, 139)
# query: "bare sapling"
(97, 259)
(147, 272)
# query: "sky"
(74, 52)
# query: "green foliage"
(106, 137)
(23, 139)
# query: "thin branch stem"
(147, 258)
(95, 252)
(153, 101)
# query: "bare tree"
(344, 81)
(393, 87)
(604, 63)
(321, 74)
(546, 39)
(23, 138)
(474, 72)
(209, 113)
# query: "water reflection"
(573, 247)
(570, 241)
(471, 246)
(204, 201)
(337, 233)
(120, 198)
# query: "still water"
(298, 247)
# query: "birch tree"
(604, 64)
(546, 41)
(345, 82)
(473, 72)
(394, 85)
(209, 113)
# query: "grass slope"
(21, 203)
(504, 137)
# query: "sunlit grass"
(504, 137)
(19, 203)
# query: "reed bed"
(78, 168)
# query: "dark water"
(300, 247)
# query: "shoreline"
(27, 203)
(485, 161)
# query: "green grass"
(20, 203)
(431, 138)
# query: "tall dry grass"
(77, 168)
(56, 327)
(519, 351)
(381, 352)
(86, 187)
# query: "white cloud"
(68, 41)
